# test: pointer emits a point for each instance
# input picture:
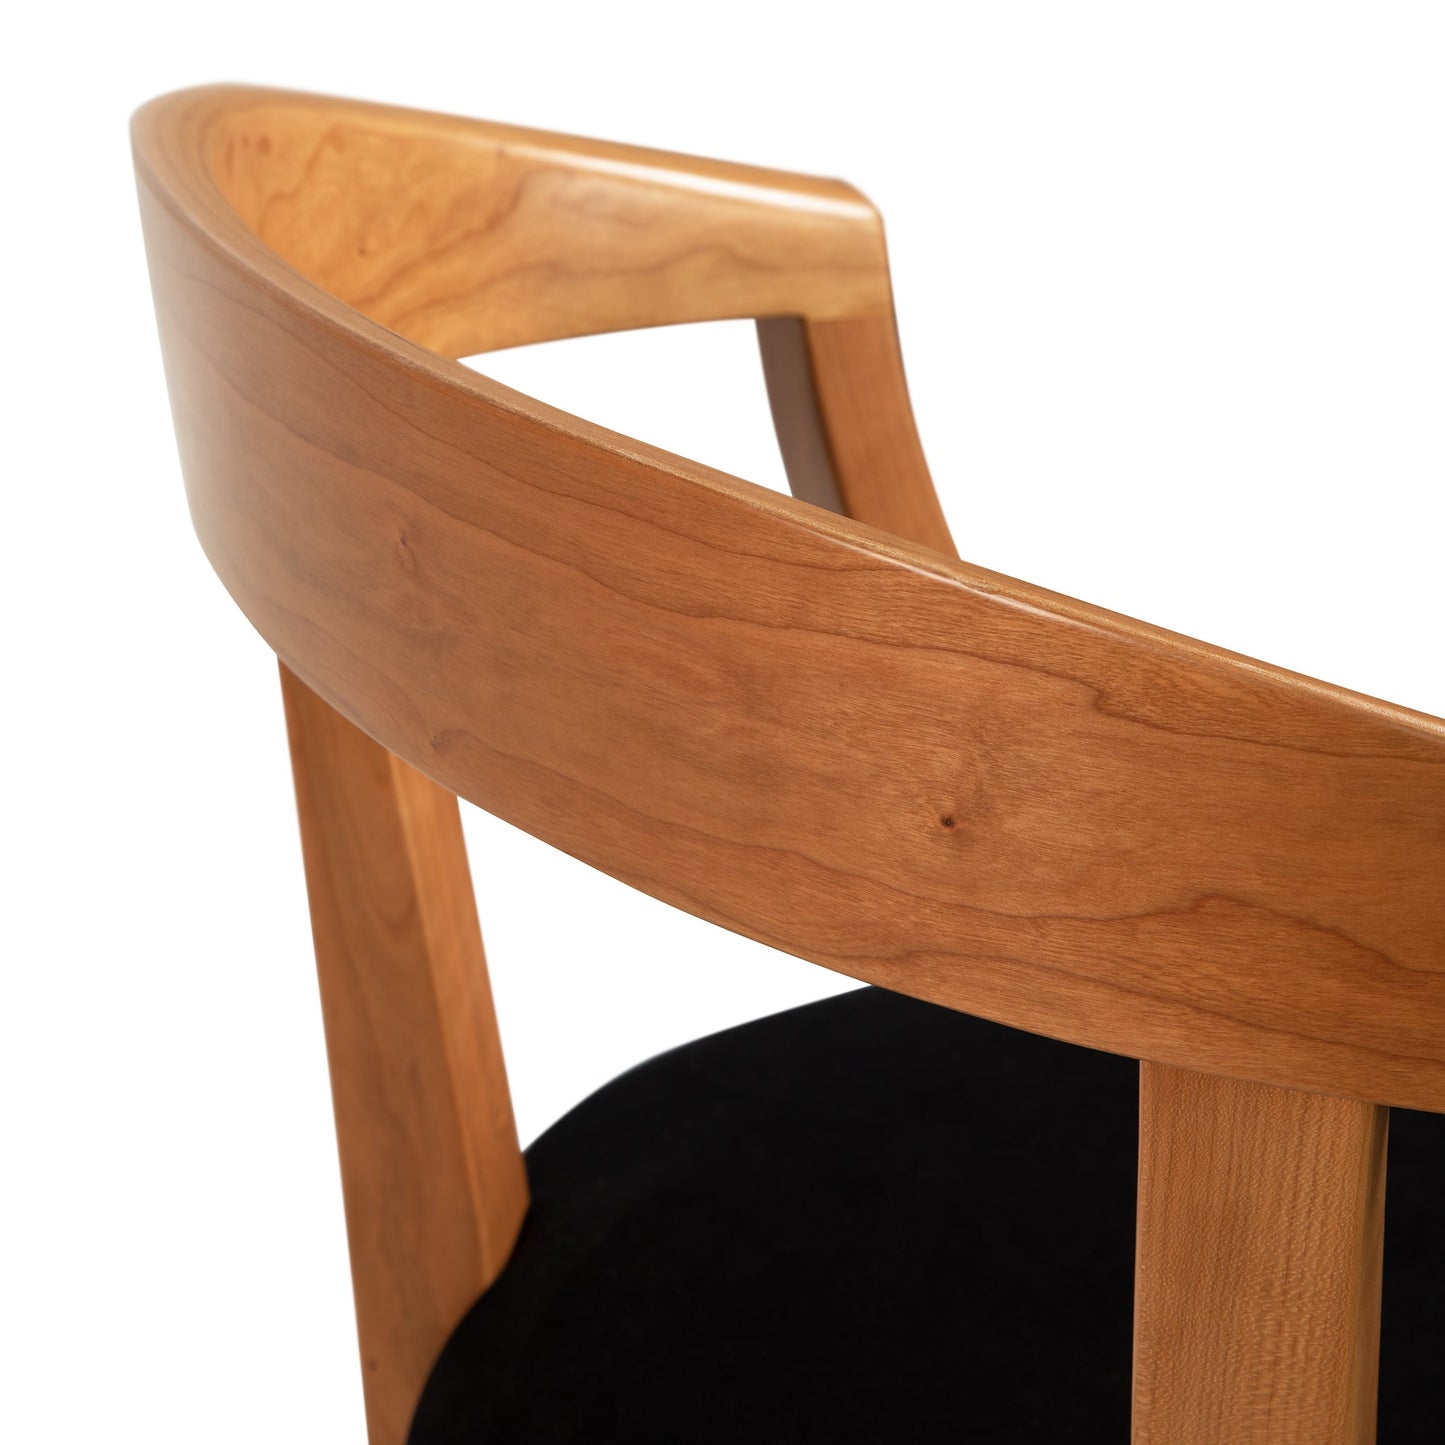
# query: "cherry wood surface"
(1257, 1291)
(804, 719)
(845, 426)
(467, 238)
(852, 747)
(431, 1171)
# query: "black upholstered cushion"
(866, 1220)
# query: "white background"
(1171, 283)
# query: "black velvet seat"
(865, 1220)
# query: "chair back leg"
(1257, 1292)
(433, 1178)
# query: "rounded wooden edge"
(170, 155)
(168, 137)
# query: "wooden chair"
(804, 719)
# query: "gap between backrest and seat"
(832, 737)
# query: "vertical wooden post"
(1261, 1210)
(1257, 1304)
(845, 424)
(434, 1182)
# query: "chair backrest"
(820, 730)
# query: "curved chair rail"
(472, 237)
(844, 744)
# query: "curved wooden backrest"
(841, 742)
(854, 748)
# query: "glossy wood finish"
(433, 1178)
(839, 741)
(854, 748)
(470, 237)
(1257, 1308)
(1260, 1209)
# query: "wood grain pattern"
(1257, 1299)
(431, 1172)
(470, 238)
(854, 748)
(1261, 1210)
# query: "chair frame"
(801, 718)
